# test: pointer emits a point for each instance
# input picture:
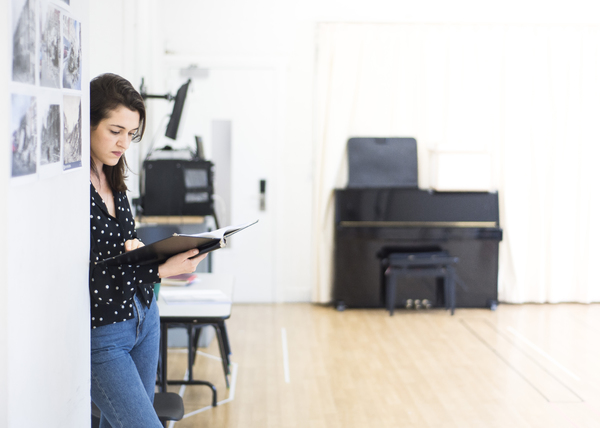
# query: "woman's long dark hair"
(107, 93)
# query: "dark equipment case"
(177, 187)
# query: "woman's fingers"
(185, 262)
(191, 253)
(133, 244)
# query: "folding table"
(206, 302)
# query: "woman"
(124, 315)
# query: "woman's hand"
(181, 263)
(133, 244)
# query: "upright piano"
(373, 222)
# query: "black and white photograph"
(50, 47)
(23, 41)
(71, 132)
(49, 133)
(71, 53)
(23, 135)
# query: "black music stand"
(382, 163)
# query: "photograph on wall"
(23, 42)
(23, 135)
(49, 133)
(71, 132)
(49, 46)
(71, 53)
(63, 4)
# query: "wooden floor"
(519, 366)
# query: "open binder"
(160, 251)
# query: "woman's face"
(113, 135)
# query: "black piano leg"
(340, 305)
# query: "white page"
(220, 233)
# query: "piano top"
(407, 207)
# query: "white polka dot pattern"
(108, 296)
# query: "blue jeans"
(124, 363)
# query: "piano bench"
(438, 264)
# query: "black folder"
(160, 251)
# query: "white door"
(239, 105)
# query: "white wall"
(44, 300)
(286, 29)
(264, 30)
(127, 50)
(107, 53)
(4, 245)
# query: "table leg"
(191, 352)
(225, 340)
(224, 357)
(164, 328)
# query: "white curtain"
(529, 96)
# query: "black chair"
(438, 264)
(168, 407)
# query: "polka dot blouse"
(112, 287)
